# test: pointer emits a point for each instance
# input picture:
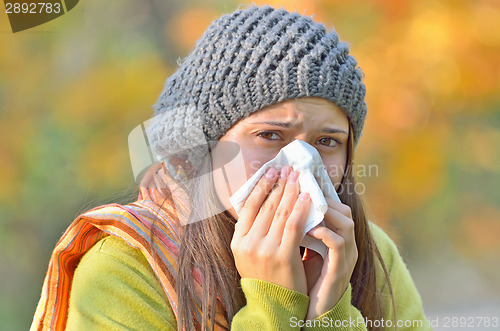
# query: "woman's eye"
(329, 142)
(269, 135)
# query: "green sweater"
(114, 288)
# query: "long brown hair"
(365, 294)
(206, 244)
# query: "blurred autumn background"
(71, 91)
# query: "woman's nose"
(303, 137)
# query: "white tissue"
(313, 179)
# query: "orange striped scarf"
(134, 223)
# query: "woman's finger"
(266, 214)
(254, 201)
(285, 207)
(338, 222)
(294, 227)
(339, 206)
(330, 238)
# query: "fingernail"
(271, 173)
(285, 171)
(304, 196)
(293, 177)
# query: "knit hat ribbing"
(247, 60)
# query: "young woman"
(181, 258)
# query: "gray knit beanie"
(245, 61)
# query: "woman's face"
(261, 135)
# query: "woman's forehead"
(317, 109)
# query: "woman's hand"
(327, 280)
(267, 236)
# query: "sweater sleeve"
(114, 288)
(269, 307)
(408, 304)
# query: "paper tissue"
(313, 179)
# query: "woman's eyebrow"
(293, 125)
(277, 123)
(334, 130)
